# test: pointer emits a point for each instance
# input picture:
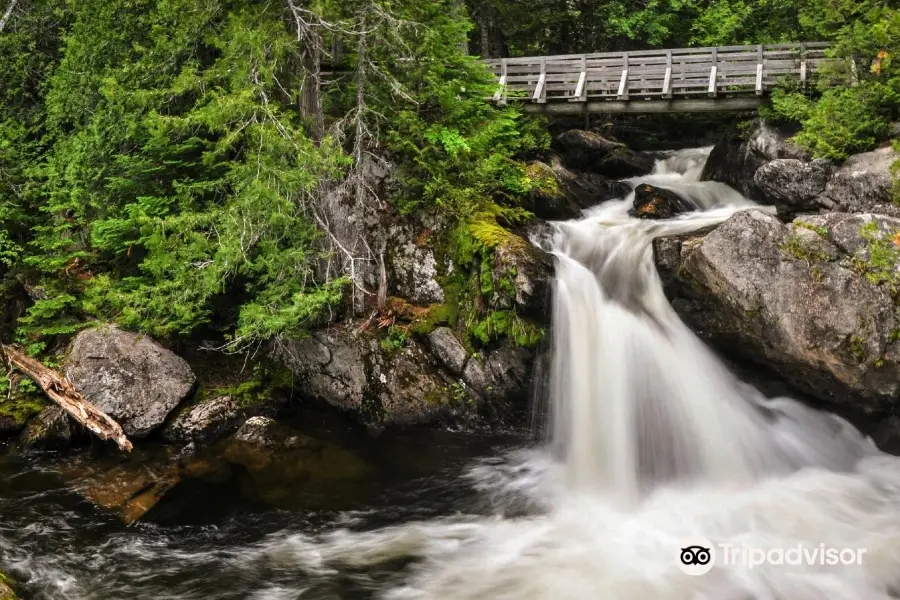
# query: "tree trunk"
(61, 391)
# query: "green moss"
(858, 348)
(884, 256)
(22, 403)
(543, 180)
(505, 323)
(259, 386)
(821, 231)
(795, 247)
(6, 587)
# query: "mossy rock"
(6, 590)
(17, 408)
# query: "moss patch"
(20, 400)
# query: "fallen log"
(60, 390)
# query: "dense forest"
(206, 168)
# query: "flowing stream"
(652, 441)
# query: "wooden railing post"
(581, 88)
(623, 82)
(759, 70)
(500, 94)
(713, 72)
(667, 81)
(540, 91)
(803, 64)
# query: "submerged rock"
(129, 376)
(651, 202)
(795, 298)
(289, 469)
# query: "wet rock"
(591, 152)
(522, 279)
(206, 422)
(559, 193)
(448, 349)
(503, 375)
(862, 182)
(129, 376)
(50, 430)
(790, 298)
(792, 185)
(651, 202)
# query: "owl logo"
(696, 556)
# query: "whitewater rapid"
(652, 442)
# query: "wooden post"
(759, 70)
(623, 82)
(667, 81)
(581, 88)
(500, 94)
(540, 92)
(712, 73)
(803, 64)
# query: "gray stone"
(787, 297)
(129, 376)
(861, 183)
(206, 422)
(414, 272)
(448, 349)
(49, 430)
(522, 279)
(791, 184)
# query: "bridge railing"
(659, 74)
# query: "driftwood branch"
(61, 391)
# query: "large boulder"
(591, 152)
(129, 376)
(796, 298)
(349, 368)
(861, 183)
(734, 161)
(792, 185)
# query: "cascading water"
(637, 399)
(653, 441)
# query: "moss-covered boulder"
(52, 429)
(6, 591)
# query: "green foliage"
(506, 324)
(394, 339)
(883, 251)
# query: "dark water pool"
(224, 525)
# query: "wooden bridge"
(682, 80)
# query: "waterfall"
(637, 399)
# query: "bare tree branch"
(7, 14)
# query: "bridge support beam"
(648, 106)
